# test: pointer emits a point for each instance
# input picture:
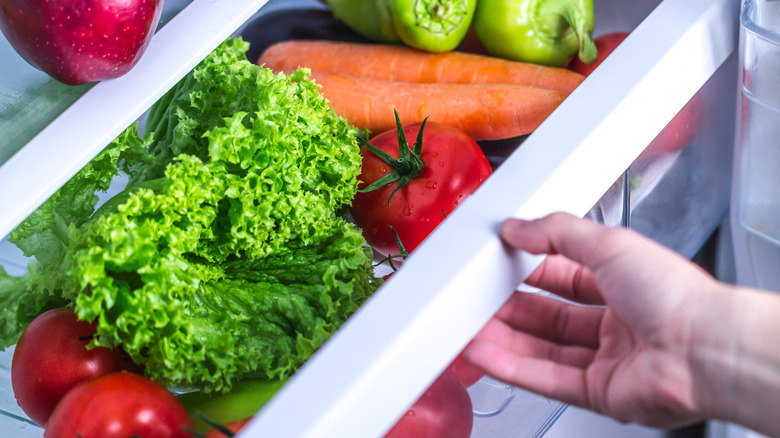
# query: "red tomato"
(119, 405)
(472, 44)
(51, 358)
(234, 426)
(443, 411)
(680, 131)
(605, 44)
(465, 372)
(454, 166)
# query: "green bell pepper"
(372, 19)
(547, 32)
(243, 401)
(431, 25)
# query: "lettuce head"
(225, 257)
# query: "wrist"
(735, 357)
(714, 350)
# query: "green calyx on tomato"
(406, 167)
(454, 166)
(430, 25)
(402, 252)
(547, 32)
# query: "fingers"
(552, 319)
(594, 264)
(545, 377)
(500, 334)
(574, 245)
(559, 233)
(584, 256)
(541, 344)
(567, 279)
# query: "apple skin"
(80, 41)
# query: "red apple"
(80, 41)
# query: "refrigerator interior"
(678, 198)
(754, 217)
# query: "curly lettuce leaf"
(19, 305)
(243, 319)
(226, 257)
(45, 232)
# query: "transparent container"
(755, 220)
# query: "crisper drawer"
(362, 380)
(586, 158)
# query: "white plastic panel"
(30, 99)
(66, 144)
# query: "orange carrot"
(484, 111)
(404, 64)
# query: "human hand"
(627, 352)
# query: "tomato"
(51, 358)
(465, 372)
(443, 411)
(471, 43)
(680, 131)
(119, 405)
(233, 426)
(605, 45)
(451, 166)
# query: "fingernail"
(511, 227)
(514, 223)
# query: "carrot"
(484, 111)
(401, 63)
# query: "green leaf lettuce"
(225, 258)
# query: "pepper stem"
(587, 48)
(406, 167)
(568, 15)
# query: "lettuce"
(226, 256)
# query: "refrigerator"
(586, 159)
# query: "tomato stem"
(403, 254)
(406, 167)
